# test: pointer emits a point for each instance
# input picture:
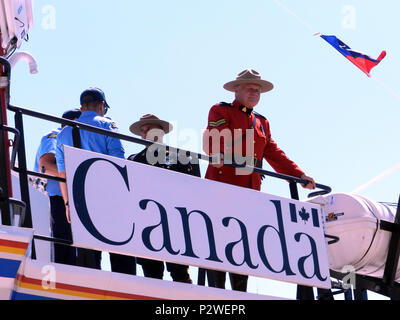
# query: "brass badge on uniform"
(217, 123)
(114, 125)
(52, 136)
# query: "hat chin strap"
(155, 135)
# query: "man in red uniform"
(237, 134)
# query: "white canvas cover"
(363, 246)
(16, 19)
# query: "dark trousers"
(89, 258)
(61, 229)
(92, 259)
(155, 269)
(123, 264)
(238, 281)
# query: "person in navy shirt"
(94, 107)
(45, 162)
(151, 128)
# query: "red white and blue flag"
(364, 62)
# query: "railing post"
(392, 260)
(23, 176)
(4, 181)
(294, 192)
(5, 172)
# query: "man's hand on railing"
(311, 185)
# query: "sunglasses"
(106, 107)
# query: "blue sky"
(171, 58)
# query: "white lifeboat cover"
(355, 220)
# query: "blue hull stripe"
(9, 268)
(24, 296)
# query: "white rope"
(300, 20)
(309, 27)
(390, 90)
(387, 88)
(378, 178)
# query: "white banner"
(130, 208)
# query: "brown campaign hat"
(150, 119)
(249, 76)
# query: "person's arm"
(48, 165)
(217, 135)
(64, 192)
(311, 185)
(61, 173)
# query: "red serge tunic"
(227, 118)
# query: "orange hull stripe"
(77, 291)
(12, 250)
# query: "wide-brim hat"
(150, 119)
(249, 76)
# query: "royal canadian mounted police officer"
(237, 134)
(151, 128)
(94, 107)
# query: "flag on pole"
(364, 62)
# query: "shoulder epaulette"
(225, 104)
(259, 115)
(52, 136)
(114, 125)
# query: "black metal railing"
(19, 111)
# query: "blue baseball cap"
(94, 94)
(72, 114)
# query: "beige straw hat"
(150, 119)
(249, 76)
